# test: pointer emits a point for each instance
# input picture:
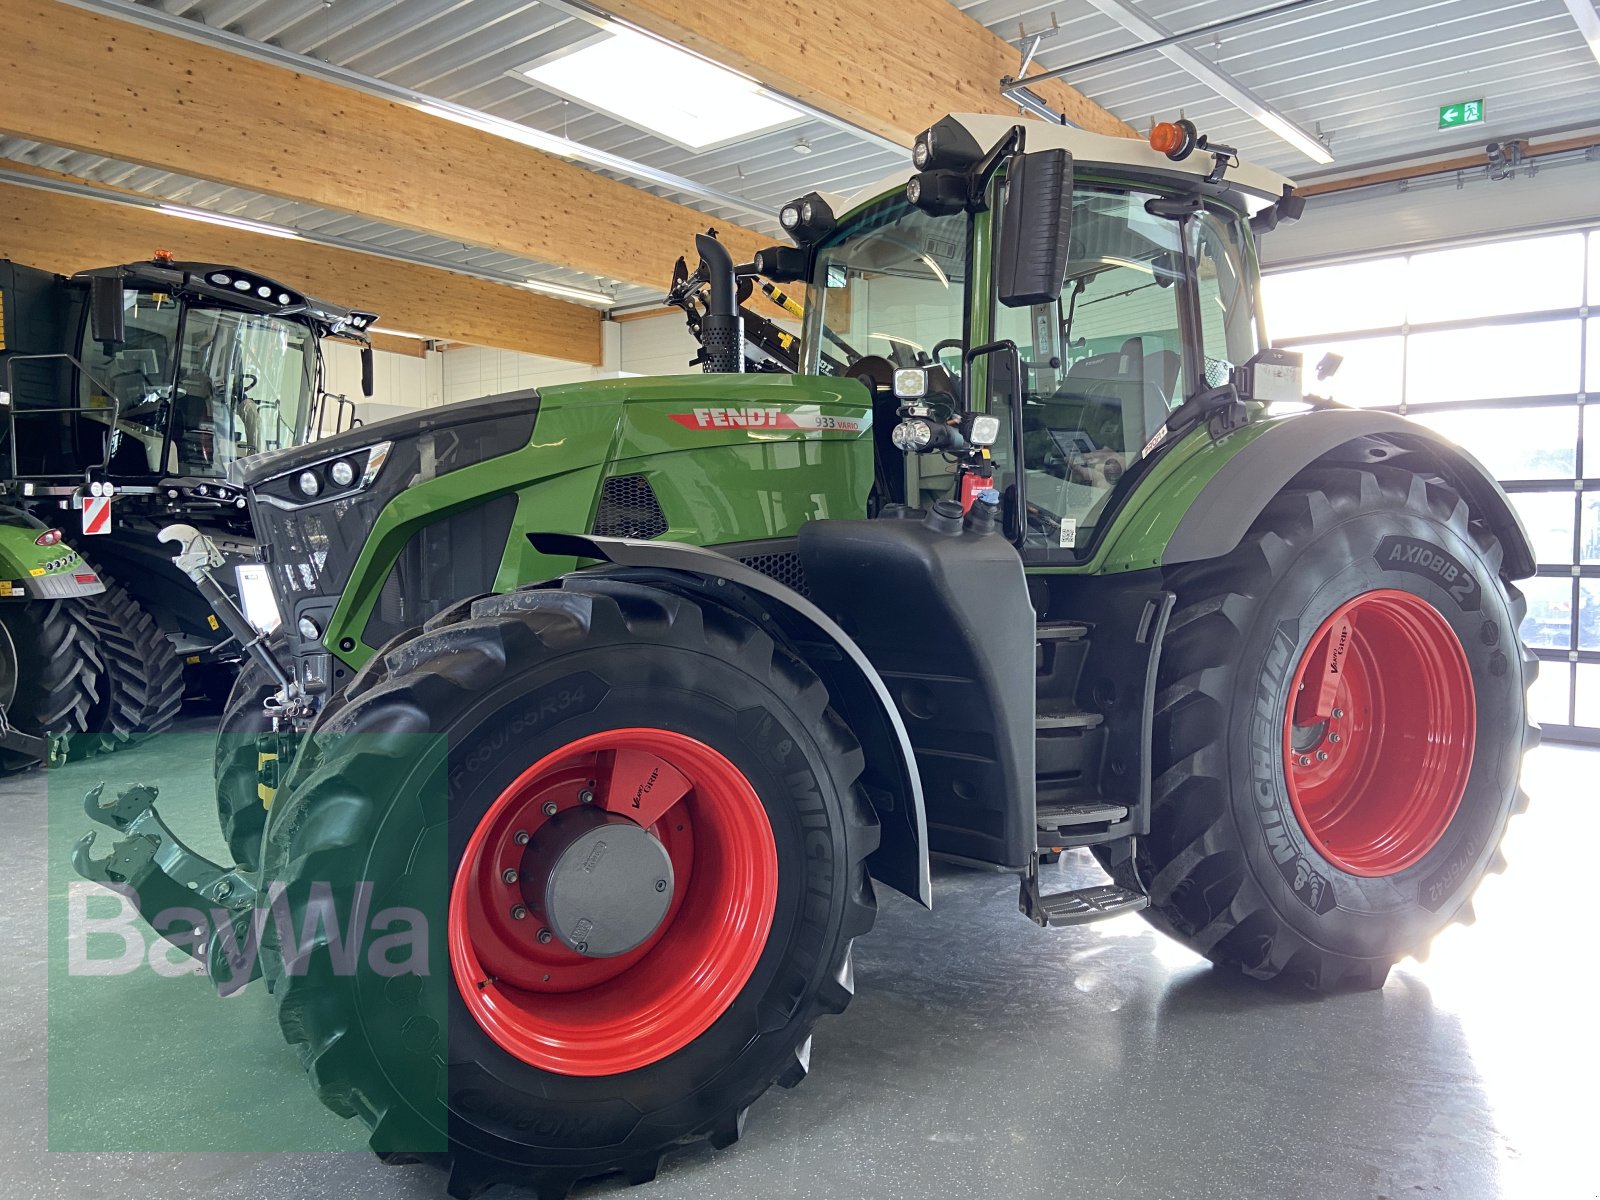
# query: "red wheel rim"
(561, 1011)
(1379, 734)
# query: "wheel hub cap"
(601, 884)
(612, 902)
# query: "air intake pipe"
(722, 331)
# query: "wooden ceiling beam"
(70, 233)
(892, 70)
(92, 83)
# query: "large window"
(1103, 363)
(1492, 345)
(241, 384)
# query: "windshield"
(238, 384)
(891, 283)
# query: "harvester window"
(244, 387)
(136, 381)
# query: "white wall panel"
(401, 383)
(657, 346)
(473, 371)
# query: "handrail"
(83, 409)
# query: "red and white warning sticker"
(97, 514)
(769, 416)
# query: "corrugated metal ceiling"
(308, 219)
(466, 50)
(1368, 74)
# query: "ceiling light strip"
(1588, 24)
(597, 16)
(515, 131)
(90, 192)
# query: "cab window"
(1102, 365)
(1227, 308)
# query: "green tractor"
(126, 394)
(615, 702)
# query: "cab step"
(1100, 902)
(1065, 631)
(1066, 718)
(1062, 816)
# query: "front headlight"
(333, 478)
(256, 598)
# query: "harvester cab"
(1042, 547)
(126, 395)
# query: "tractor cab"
(1032, 309)
(161, 370)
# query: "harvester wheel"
(238, 766)
(142, 690)
(1340, 725)
(58, 670)
(633, 826)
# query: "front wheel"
(634, 828)
(1340, 727)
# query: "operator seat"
(1118, 398)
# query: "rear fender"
(29, 571)
(1229, 504)
(856, 690)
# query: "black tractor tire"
(236, 765)
(142, 691)
(59, 673)
(405, 772)
(1229, 867)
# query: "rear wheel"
(142, 691)
(1339, 730)
(635, 827)
(57, 668)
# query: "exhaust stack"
(722, 334)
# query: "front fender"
(1236, 494)
(856, 689)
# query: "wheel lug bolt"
(549, 808)
(586, 797)
(509, 875)
(661, 885)
(545, 937)
(521, 837)
(1322, 756)
(519, 913)
(1338, 713)
(1305, 760)
(1334, 738)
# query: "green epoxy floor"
(981, 1057)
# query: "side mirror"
(1272, 376)
(366, 371)
(107, 323)
(1035, 229)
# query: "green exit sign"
(1462, 112)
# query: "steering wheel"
(874, 370)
